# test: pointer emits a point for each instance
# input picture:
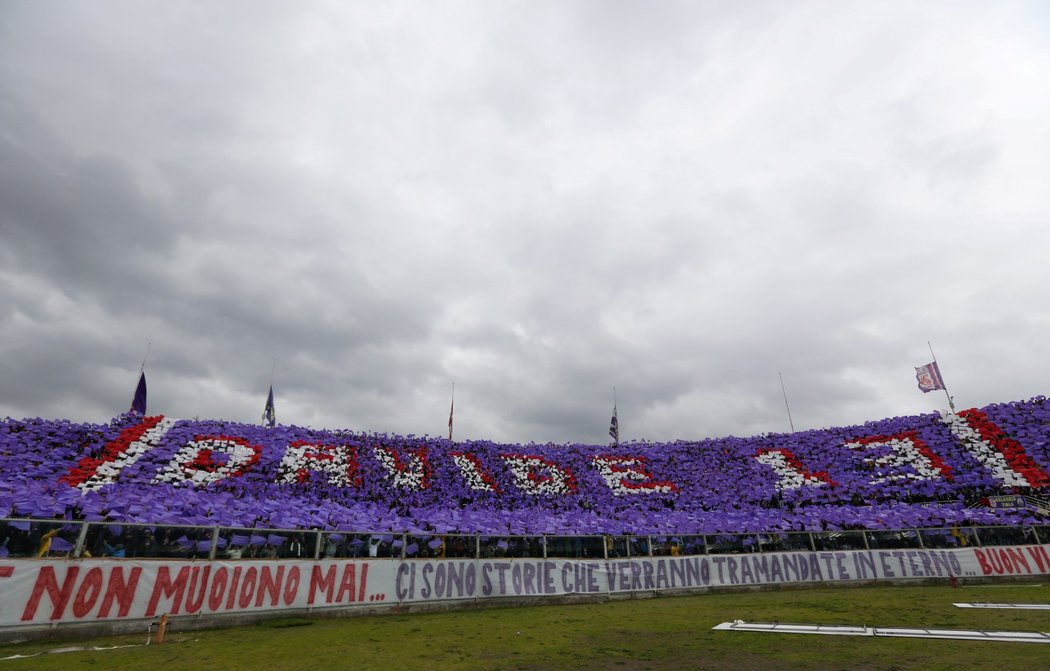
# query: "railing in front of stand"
(28, 538)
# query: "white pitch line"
(77, 648)
(846, 630)
(1022, 606)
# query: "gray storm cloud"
(537, 201)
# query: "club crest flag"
(929, 377)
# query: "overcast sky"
(538, 201)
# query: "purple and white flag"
(929, 377)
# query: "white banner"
(36, 591)
(40, 591)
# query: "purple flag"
(138, 404)
(929, 377)
(60, 545)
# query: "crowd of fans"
(413, 497)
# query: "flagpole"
(784, 389)
(616, 416)
(142, 368)
(951, 405)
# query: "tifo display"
(903, 472)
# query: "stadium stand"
(201, 488)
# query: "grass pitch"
(655, 633)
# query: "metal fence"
(29, 538)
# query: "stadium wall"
(42, 598)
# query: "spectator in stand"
(331, 547)
(295, 548)
(149, 546)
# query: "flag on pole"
(138, 404)
(614, 426)
(269, 414)
(929, 377)
(450, 411)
